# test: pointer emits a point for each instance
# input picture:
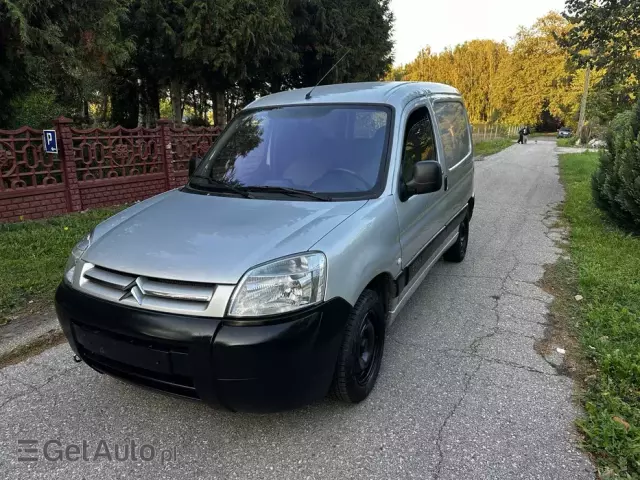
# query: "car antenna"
(308, 95)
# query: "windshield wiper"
(287, 191)
(225, 186)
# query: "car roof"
(396, 94)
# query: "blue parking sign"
(49, 141)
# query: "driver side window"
(419, 143)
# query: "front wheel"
(458, 250)
(361, 353)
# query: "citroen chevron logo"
(135, 290)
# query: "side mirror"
(193, 164)
(427, 178)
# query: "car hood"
(213, 239)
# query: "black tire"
(458, 250)
(360, 356)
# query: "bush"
(616, 183)
(197, 122)
(36, 109)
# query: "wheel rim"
(367, 349)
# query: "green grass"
(566, 142)
(33, 255)
(608, 270)
(542, 134)
(489, 147)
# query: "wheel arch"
(384, 285)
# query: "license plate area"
(125, 352)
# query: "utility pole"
(583, 103)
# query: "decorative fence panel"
(94, 167)
(117, 153)
(31, 181)
(118, 165)
(187, 143)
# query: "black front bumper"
(278, 364)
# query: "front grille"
(135, 290)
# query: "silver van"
(270, 279)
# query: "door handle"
(446, 183)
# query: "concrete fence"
(94, 167)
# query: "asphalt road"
(462, 392)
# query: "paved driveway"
(462, 393)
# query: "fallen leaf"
(622, 422)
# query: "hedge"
(616, 183)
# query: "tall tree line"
(533, 81)
(118, 61)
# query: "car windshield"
(337, 150)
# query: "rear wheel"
(458, 250)
(361, 353)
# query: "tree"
(237, 42)
(200, 48)
(395, 74)
(533, 82)
(605, 34)
(325, 30)
(67, 47)
(476, 67)
(122, 57)
(471, 67)
(155, 26)
(12, 39)
(537, 77)
(159, 28)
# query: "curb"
(16, 347)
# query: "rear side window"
(454, 134)
(419, 142)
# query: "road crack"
(439, 439)
(31, 388)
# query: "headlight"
(76, 253)
(280, 286)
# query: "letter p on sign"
(49, 141)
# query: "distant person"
(523, 134)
